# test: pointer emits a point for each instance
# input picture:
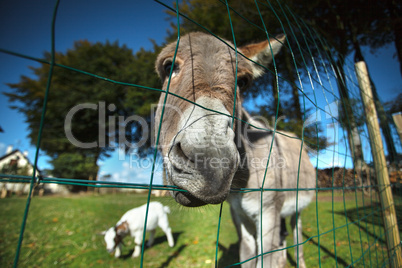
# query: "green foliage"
(70, 88)
(140, 100)
(344, 22)
(312, 140)
(213, 16)
(395, 105)
(83, 168)
(347, 26)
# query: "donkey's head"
(197, 140)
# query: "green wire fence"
(351, 191)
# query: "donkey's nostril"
(181, 163)
(182, 150)
(178, 151)
(178, 147)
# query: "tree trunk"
(349, 121)
(295, 91)
(385, 123)
(93, 175)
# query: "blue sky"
(25, 28)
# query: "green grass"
(63, 231)
(350, 232)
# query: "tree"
(394, 9)
(86, 116)
(140, 100)
(395, 105)
(347, 25)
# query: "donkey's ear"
(261, 53)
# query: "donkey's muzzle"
(203, 156)
(204, 167)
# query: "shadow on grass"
(372, 215)
(368, 214)
(229, 255)
(158, 240)
(338, 259)
(174, 255)
(291, 259)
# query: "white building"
(17, 162)
(14, 162)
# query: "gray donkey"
(208, 151)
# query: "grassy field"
(62, 231)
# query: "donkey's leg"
(271, 228)
(248, 247)
(246, 237)
(297, 235)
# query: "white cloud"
(131, 168)
(135, 174)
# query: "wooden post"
(387, 201)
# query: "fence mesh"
(354, 234)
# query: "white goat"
(132, 222)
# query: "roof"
(10, 154)
(15, 152)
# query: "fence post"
(386, 198)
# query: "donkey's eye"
(168, 67)
(243, 82)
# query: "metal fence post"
(387, 201)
